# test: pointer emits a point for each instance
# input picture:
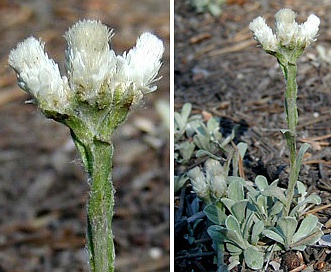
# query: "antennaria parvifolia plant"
(254, 219)
(92, 100)
(287, 45)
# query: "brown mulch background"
(219, 69)
(43, 189)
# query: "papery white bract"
(90, 62)
(216, 178)
(90, 36)
(199, 184)
(142, 63)
(308, 30)
(40, 75)
(263, 34)
(286, 27)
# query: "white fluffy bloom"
(308, 30)
(96, 76)
(209, 186)
(142, 63)
(289, 34)
(263, 34)
(39, 75)
(90, 62)
(216, 176)
(198, 181)
(286, 27)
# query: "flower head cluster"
(289, 34)
(209, 186)
(95, 74)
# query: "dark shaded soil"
(220, 70)
(43, 189)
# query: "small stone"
(155, 253)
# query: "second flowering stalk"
(287, 45)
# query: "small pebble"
(155, 253)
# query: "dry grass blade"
(232, 48)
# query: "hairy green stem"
(97, 157)
(91, 131)
(221, 266)
(290, 72)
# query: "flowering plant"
(287, 45)
(92, 100)
(251, 220)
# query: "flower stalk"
(100, 205)
(287, 45)
(92, 100)
(291, 112)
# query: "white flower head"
(90, 36)
(308, 30)
(210, 184)
(286, 27)
(198, 181)
(263, 34)
(217, 178)
(90, 62)
(39, 75)
(142, 63)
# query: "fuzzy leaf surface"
(254, 259)
(306, 227)
(236, 190)
(288, 226)
(215, 214)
